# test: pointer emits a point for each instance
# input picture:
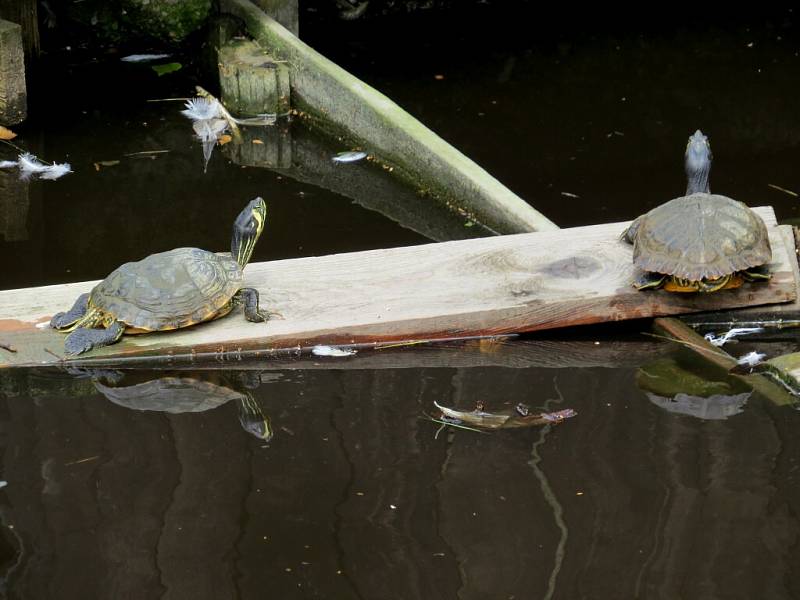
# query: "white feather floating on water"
(209, 129)
(751, 359)
(55, 171)
(200, 109)
(728, 335)
(332, 351)
(29, 166)
(134, 58)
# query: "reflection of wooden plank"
(486, 286)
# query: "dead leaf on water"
(6, 134)
(257, 141)
(105, 163)
(224, 139)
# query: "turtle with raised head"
(168, 290)
(700, 242)
(185, 391)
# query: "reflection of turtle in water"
(167, 291)
(700, 242)
(191, 392)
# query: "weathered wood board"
(464, 288)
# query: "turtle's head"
(698, 163)
(246, 229)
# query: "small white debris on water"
(751, 359)
(134, 58)
(728, 335)
(332, 351)
(3, 484)
(570, 195)
(348, 157)
(43, 325)
(29, 166)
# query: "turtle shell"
(700, 236)
(169, 290)
(170, 394)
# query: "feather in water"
(200, 109)
(29, 166)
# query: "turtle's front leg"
(249, 297)
(84, 339)
(63, 320)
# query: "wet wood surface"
(480, 287)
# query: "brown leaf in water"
(6, 134)
(105, 163)
(224, 139)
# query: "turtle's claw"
(58, 321)
(78, 342)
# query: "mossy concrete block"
(251, 81)
(786, 369)
(341, 103)
(13, 95)
(169, 20)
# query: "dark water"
(356, 495)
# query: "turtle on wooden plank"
(700, 242)
(168, 290)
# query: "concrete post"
(252, 82)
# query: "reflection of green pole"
(785, 369)
(690, 339)
(252, 419)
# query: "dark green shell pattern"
(700, 236)
(170, 394)
(170, 289)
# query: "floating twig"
(82, 460)
(8, 347)
(784, 190)
(688, 344)
(401, 344)
(168, 99)
(430, 418)
(51, 353)
(146, 152)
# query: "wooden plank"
(487, 286)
